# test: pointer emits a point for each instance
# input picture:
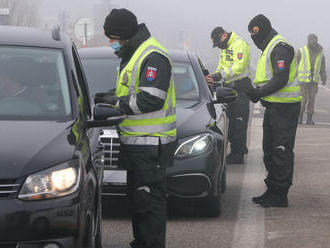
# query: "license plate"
(114, 177)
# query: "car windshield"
(33, 84)
(102, 74)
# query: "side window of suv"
(82, 81)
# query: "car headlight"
(194, 146)
(54, 182)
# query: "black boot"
(235, 158)
(301, 117)
(262, 198)
(310, 120)
(278, 199)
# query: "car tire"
(90, 240)
(98, 237)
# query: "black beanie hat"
(120, 24)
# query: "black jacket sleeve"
(281, 58)
(154, 81)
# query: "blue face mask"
(116, 46)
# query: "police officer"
(234, 71)
(311, 70)
(145, 92)
(279, 92)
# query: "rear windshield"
(33, 84)
(102, 75)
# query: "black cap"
(215, 35)
(261, 24)
(120, 24)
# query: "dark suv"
(51, 163)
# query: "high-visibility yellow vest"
(289, 93)
(146, 128)
(234, 63)
(304, 67)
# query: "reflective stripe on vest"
(304, 67)
(146, 128)
(291, 92)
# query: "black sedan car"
(199, 171)
(50, 159)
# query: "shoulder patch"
(151, 73)
(280, 65)
(239, 56)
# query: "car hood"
(31, 146)
(191, 121)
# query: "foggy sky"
(174, 21)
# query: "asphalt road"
(305, 224)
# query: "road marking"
(249, 231)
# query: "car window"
(101, 74)
(33, 84)
(186, 84)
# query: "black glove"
(107, 97)
(253, 94)
(104, 111)
(216, 76)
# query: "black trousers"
(238, 113)
(146, 189)
(279, 133)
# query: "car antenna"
(56, 33)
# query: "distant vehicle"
(51, 162)
(199, 171)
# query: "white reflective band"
(223, 74)
(240, 76)
(268, 65)
(152, 115)
(305, 60)
(133, 105)
(287, 94)
(145, 188)
(159, 128)
(231, 74)
(155, 92)
(146, 140)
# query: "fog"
(179, 24)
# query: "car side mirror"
(106, 115)
(225, 95)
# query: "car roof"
(27, 36)
(107, 52)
